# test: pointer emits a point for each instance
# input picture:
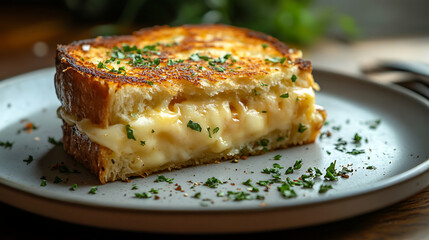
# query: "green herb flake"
(284, 95)
(153, 190)
(171, 62)
(143, 195)
(302, 128)
(162, 178)
(194, 126)
(43, 183)
(73, 187)
(264, 45)
(29, 159)
(276, 60)
(142, 143)
(289, 170)
(277, 157)
(215, 130)
(324, 188)
(212, 182)
(293, 78)
(331, 174)
(356, 151)
(239, 196)
(93, 190)
(317, 172)
(286, 191)
(197, 195)
(130, 132)
(6, 144)
(371, 167)
(307, 182)
(101, 65)
(248, 182)
(357, 138)
(297, 165)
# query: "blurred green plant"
(296, 22)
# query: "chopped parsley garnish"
(276, 165)
(286, 191)
(194, 126)
(357, 138)
(317, 172)
(143, 195)
(219, 68)
(130, 132)
(276, 59)
(302, 128)
(212, 182)
(371, 167)
(275, 169)
(356, 151)
(28, 160)
(215, 130)
(162, 178)
(73, 187)
(152, 190)
(331, 174)
(196, 57)
(197, 195)
(297, 165)
(284, 95)
(307, 182)
(240, 196)
(264, 45)
(101, 65)
(248, 182)
(293, 78)
(171, 62)
(43, 183)
(289, 170)
(142, 143)
(324, 188)
(6, 144)
(277, 157)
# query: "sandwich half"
(171, 97)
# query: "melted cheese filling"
(162, 134)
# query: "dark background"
(30, 30)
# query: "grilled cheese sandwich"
(170, 97)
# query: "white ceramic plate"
(398, 149)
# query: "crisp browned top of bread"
(193, 59)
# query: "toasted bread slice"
(170, 97)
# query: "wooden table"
(408, 219)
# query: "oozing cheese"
(162, 134)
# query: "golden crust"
(79, 81)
